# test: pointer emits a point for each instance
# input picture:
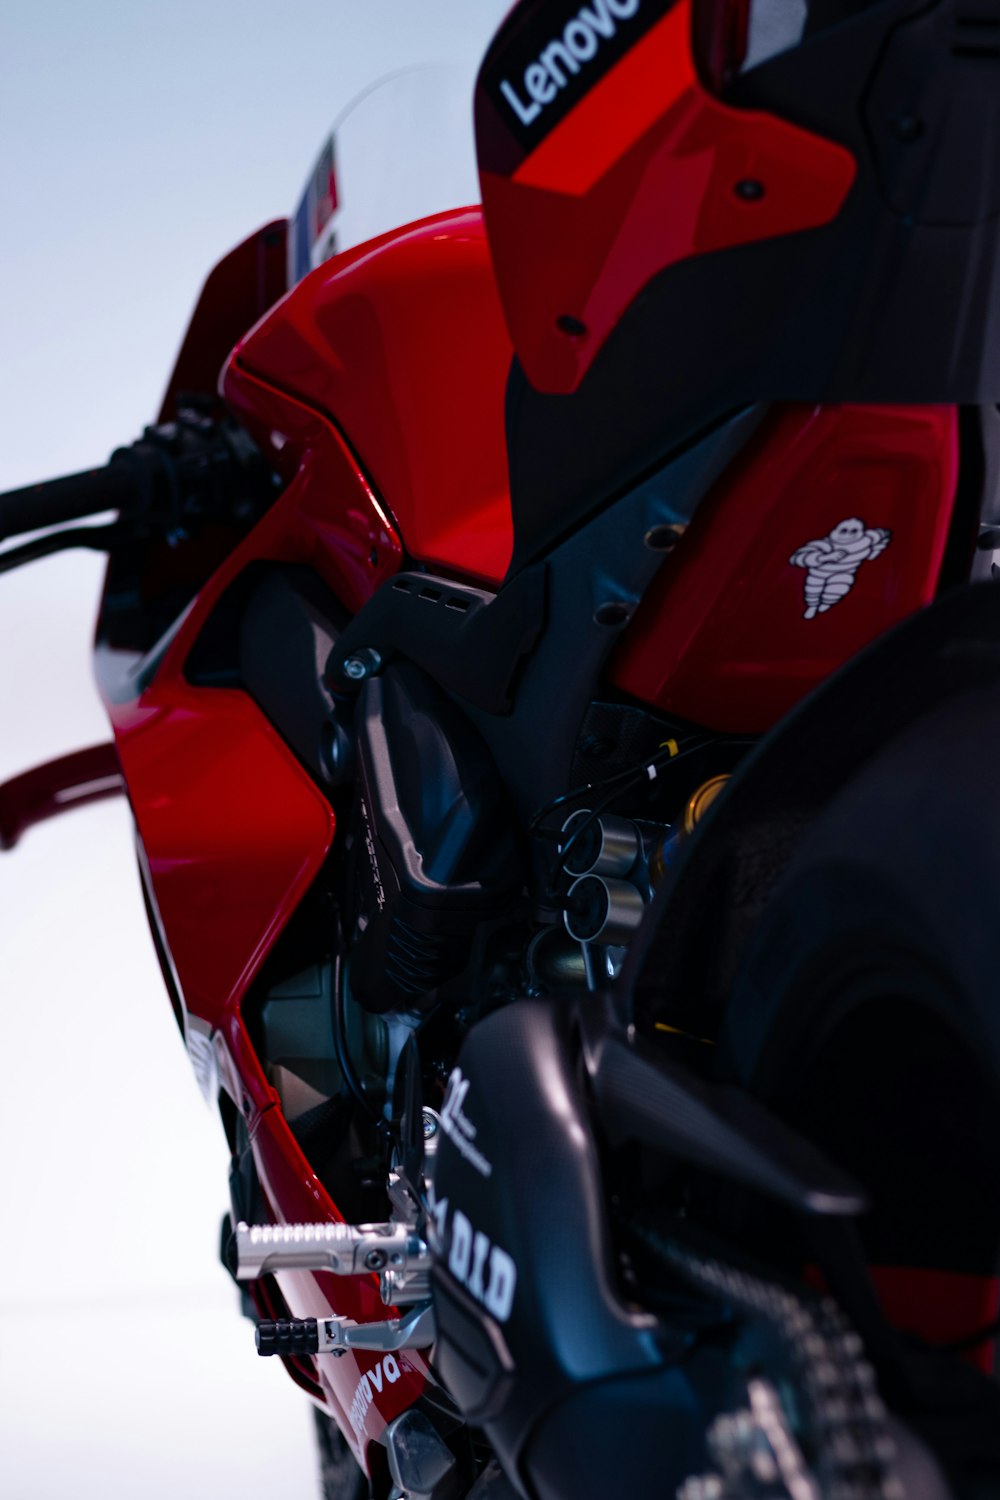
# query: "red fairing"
(648, 168)
(940, 1307)
(237, 292)
(367, 368)
(233, 832)
(403, 341)
(722, 638)
(233, 829)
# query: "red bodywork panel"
(233, 833)
(233, 829)
(647, 169)
(237, 292)
(722, 637)
(941, 1307)
(403, 341)
(191, 754)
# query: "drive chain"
(846, 1423)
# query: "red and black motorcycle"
(555, 672)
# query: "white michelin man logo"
(832, 563)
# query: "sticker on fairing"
(482, 1267)
(832, 562)
(458, 1127)
(384, 1372)
(559, 55)
(314, 236)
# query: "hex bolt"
(375, 1260)
(364, 662)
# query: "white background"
(138, 142)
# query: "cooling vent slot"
(433, 594)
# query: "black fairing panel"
(622, 1437)
(270, 635)
(562, 1359)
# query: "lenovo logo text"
(384, 1372)
(565, 56)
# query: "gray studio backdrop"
(138, 142)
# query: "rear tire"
(869, 1003)
(867, 1014)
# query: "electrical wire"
(590, 786)
(670, 754)
(344, 1060)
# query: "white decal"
(470, 1255)
(201, 1050)
(385, 1371)
(372, 856)
(832, 562)
(486, 1271)
(561, 59)
(461, 1248)
(458, 1127)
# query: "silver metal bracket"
(415, 1329)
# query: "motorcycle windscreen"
(402, 150)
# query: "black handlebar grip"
(116, 486)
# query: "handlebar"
(117, 486)
(176, 475)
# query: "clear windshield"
(401, 150)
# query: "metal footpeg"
(344, 1249)
(395, 1253)
(414, 1330)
